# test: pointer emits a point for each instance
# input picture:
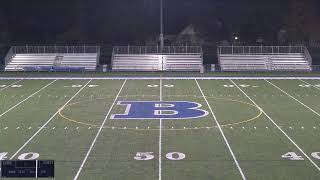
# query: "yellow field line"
(167, 129)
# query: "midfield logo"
(160, 110)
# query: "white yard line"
(222, 133)
(293, 98)
(97, 135)
(27, 98)
(10, 85)
(48, 121)
(282, 131)
(160, 136)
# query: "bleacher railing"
(157, 50)
(55, 49)
(8, 57)
(308, 56)
(261, 50)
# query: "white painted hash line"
(27, 98)
(222, 133)
(280, 129)
(48, 121)
(312, 110)
(98, 133)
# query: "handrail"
(157, 50)
(55, 49)
(9, 56)
(307, 55)
(260, 50)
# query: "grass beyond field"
(164, 129)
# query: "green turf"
(254, 139)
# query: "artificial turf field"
(251, 129)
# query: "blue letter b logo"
(160, 110)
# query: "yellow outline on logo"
(153, 129)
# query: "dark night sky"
(127, 20)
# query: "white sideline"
(283, 132)
(97, 135)
(160, 136)
(49, 120)
(165, 78)
(10, 85)
(315, 112)
(27, 98)
(222, 133)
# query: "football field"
(164, 129)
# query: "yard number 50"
(145, 156)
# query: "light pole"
(161, 26)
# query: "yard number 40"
(295, 157)
(24, 156)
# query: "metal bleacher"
(52, 58)
(264, 58)
(153, 58)
(19, 62)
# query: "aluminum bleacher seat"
(87, 61)
(20, 61)
(145, 58)
(248, 58)
(39, 58)
(242, 62)
(183, 62)
(124, 62)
